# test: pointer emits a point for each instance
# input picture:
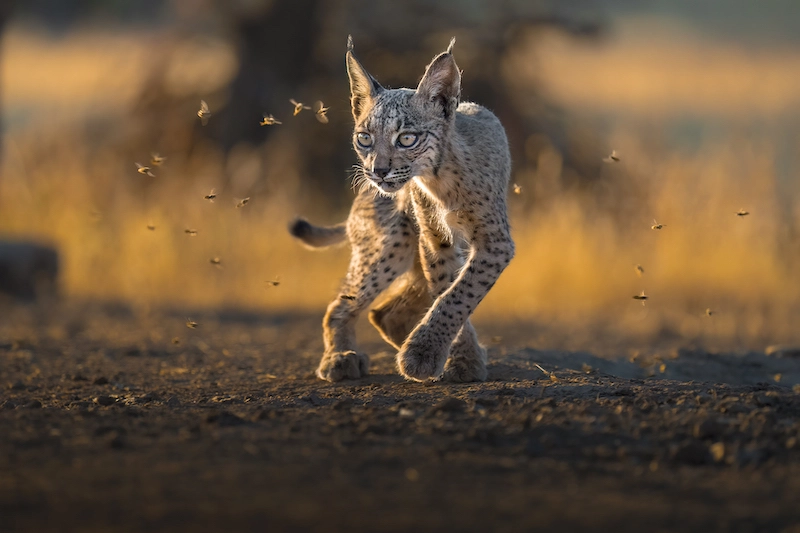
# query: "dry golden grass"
(653, 68)
(575, 255)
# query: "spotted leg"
(376, 261)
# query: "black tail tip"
(299, 228)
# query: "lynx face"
(398, 138)
(398, 132)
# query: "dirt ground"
(119, 420)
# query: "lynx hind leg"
(467, 361)
(406, 304)
(383, 248)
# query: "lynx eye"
(364, 139)
(407, 140)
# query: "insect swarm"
(190, 232)
(142, 169)
(741, 213)
(204, 113)
(269, 120)
(242, 202)
(298, 106)
(657, 226)
(320, 112)
(642, 297)
(211, 195)
(191, 324)
(612, 157)
(157, 160)
(550, 375)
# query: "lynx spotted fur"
(429, 224)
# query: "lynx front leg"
(441, 263)
(424, 353)
(377, 260)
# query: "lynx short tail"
(317, 236)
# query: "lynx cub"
(430, 225)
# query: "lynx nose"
(381, 172)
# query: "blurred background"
(700, 100)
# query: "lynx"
(429, 226)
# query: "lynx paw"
(463, 370)
(420, 363)
(343, 365)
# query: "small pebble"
(707, 429)
(412, 474)
(717, 451)
(116, 441)
(225, 418)
(147, 398)
(449, 405)
(104, 400)
(691, 452)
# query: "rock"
(33, 404)
(691, 452)
(708, 429)
(173, 401)
(17, 385)
(116, 441)
(8, 404)
(28, 270)
(225, 418)
(753, 455)
(345, 404)
(717, 451)
(782, 350)
(147, 398)
(134, 411)
(102, 380)
(104, 400)
(449, 405)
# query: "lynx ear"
(363, 87)
(441, 83)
